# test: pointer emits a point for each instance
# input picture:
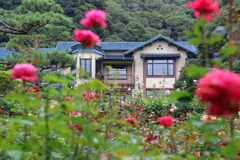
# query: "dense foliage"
(128, 20)
(6, 84)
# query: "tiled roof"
(116, 57)
(4, 52)
(46, 49)
(119, 45)
(146, 55)
(65, 46)
(187, 45)
(87, 51)
(156, 38)
(105, 45)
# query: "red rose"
(152, 138)
(94, 19)
(1, 111)
(36, 89)
(78, 127)
(204, 8)
(86, 37)
(68, 98)
(224, 143)
(131, 120)
(220, 89)
(124, 105)
(198, 154)
(98, 95)
(165, 121)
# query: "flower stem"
(47, 129)
(231, 124)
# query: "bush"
(6, 84)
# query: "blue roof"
(4, 52)
(119, 45)
(116, 57)
(65, 46)
(160, 37)
(88, 51)
(187, 45)
(105, 45)
(46, 49)
(166, 55)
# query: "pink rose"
(165, 121)
(220, 89)
(74, 113)
(208, 118)
(24, 71)
(137, 74)
(172, 110)
(86, 37)
(129, 89)
(142, 84)
(204, 8)
(167, 92)
(94, 19)
(52, 106)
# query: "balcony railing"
(121, 79)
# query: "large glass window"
(160, 68)
(118, 69)
(85, 64)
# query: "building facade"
(158, 61)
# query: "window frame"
(125, 75)
(167, 69)
(88, 74)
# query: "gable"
(190, 49)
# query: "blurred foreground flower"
(87, 38)
(95, 19)
(204, 8)
(220, 89)
(26, 72)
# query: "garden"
(93, 121)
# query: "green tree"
(46, 62)
(184, 82)
(41, 19)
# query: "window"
(73, 70)
(160, 67)
(85, 64)
(121, 69)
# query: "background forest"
(128, 20)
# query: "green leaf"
(228, 50)
(196, 72)
(181, 96)
(27, 122)
(15, 154)
(213, 39)
(56, 79)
